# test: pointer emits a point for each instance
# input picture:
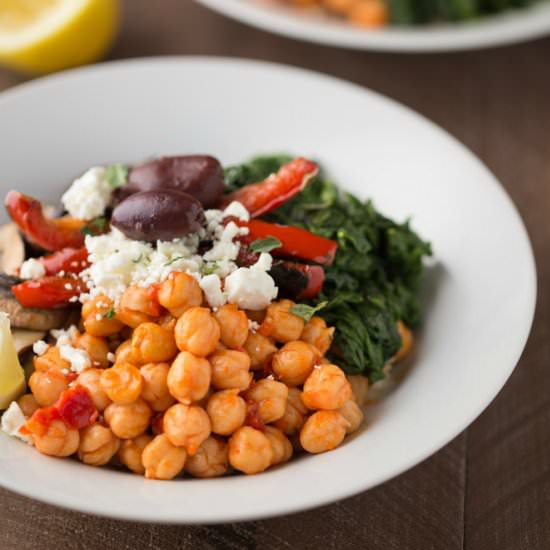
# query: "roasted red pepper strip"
(295, 242)
(315, 275)
(50, 235)
(69, 260)
(48, 292)
(259, 198)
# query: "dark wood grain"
(488, 489)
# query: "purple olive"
(158, 215)
(198, 175)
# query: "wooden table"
(490, 487)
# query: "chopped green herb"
(109, 314)
(265, 245)
(95, 226)
(116, 175)
(209, 269)
(305, 311)
(173, 260)
(138, 259)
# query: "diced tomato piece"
(76, 408)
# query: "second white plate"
(312, 25)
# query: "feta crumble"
(252, 287)
(40, 347)
(12, 420)
(32, 269)
(212, 287)
(64, 337)
(89, 195)
(78, 358)
(111, 357)
(118, 262)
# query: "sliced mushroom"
(29, 318)
(24, 339)
(12, 249)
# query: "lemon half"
(12, 377)
(42, 36)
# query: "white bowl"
(315, 26)
(481, 292)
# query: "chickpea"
(168, 322)
(28, 404)
(280, 324)
(211, 459)
(294, 362)
(186, 426)
(369, 13)
(326, 388)
(197, 331)
(227, 411)
(153, 344)
(271, 397)
(126, 354)
(131, 450)
(230, 370)
(50, 360)
(359, 387)
(128, 421)
(341, 7)
(407, 341)
(96, 347)
(47, 386)
(162, 459)
(353, 414)
(295, 413)
(323, 431)
(90, 379)
(137, 305)
(97, 317)
(57, 440)
(179, 292)
(98, 445)
(233, 325)
(189, 377)
(318, 334)
(122, 383)
(281, 445)
(260, 349)
(250, 451)
(155, 389)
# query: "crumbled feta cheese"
(251, 287)
(40, 347)
(89, 195)
(111, 357)
(12, 420)
(98, 317)
(212, 288)
(32, 269)
(253, 326)
(64, 337)
(68, 286)
(237, 210)
(78, 358)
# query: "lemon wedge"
(12, 377)
(42, 36)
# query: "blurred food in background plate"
(377, 13)
(43, 36)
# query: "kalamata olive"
(158, 215)
(198, 175)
